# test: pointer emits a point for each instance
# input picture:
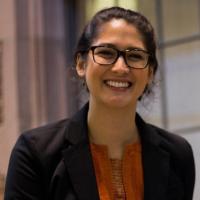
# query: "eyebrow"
(114, 46)
(108, 45)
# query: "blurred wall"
(33, 68)
(9, 125)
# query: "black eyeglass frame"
(120, 53)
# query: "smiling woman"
(107, 70)
(106, 151)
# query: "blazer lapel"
(78, 159)
(78, 162)
(155, 162)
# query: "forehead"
(120, 33)
(118, 23)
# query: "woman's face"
(115, 85)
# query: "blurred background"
(37, 39)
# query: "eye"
(135, 56)
(105, 52)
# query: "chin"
(120, 103)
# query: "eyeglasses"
(134, 58)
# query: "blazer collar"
(76, 129)
(78, 159)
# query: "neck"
(112, 126)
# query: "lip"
(120, 83)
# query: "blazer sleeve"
(183, 158)
(189, 172)
(182, 161)
(23, 179)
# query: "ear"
(80, 66)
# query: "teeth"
(118, 84)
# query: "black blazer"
(54, 163)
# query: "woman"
(106, 151)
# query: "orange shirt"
(119, 179)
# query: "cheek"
(142, 77)
(91, 76)
(94, 71)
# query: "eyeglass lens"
(107, 55)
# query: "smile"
(118, 84)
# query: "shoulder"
(169, 142)
(172, 141)
(47, 143)
(43, 135)
(176, 146)
(43, 142)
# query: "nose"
(120, 67)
